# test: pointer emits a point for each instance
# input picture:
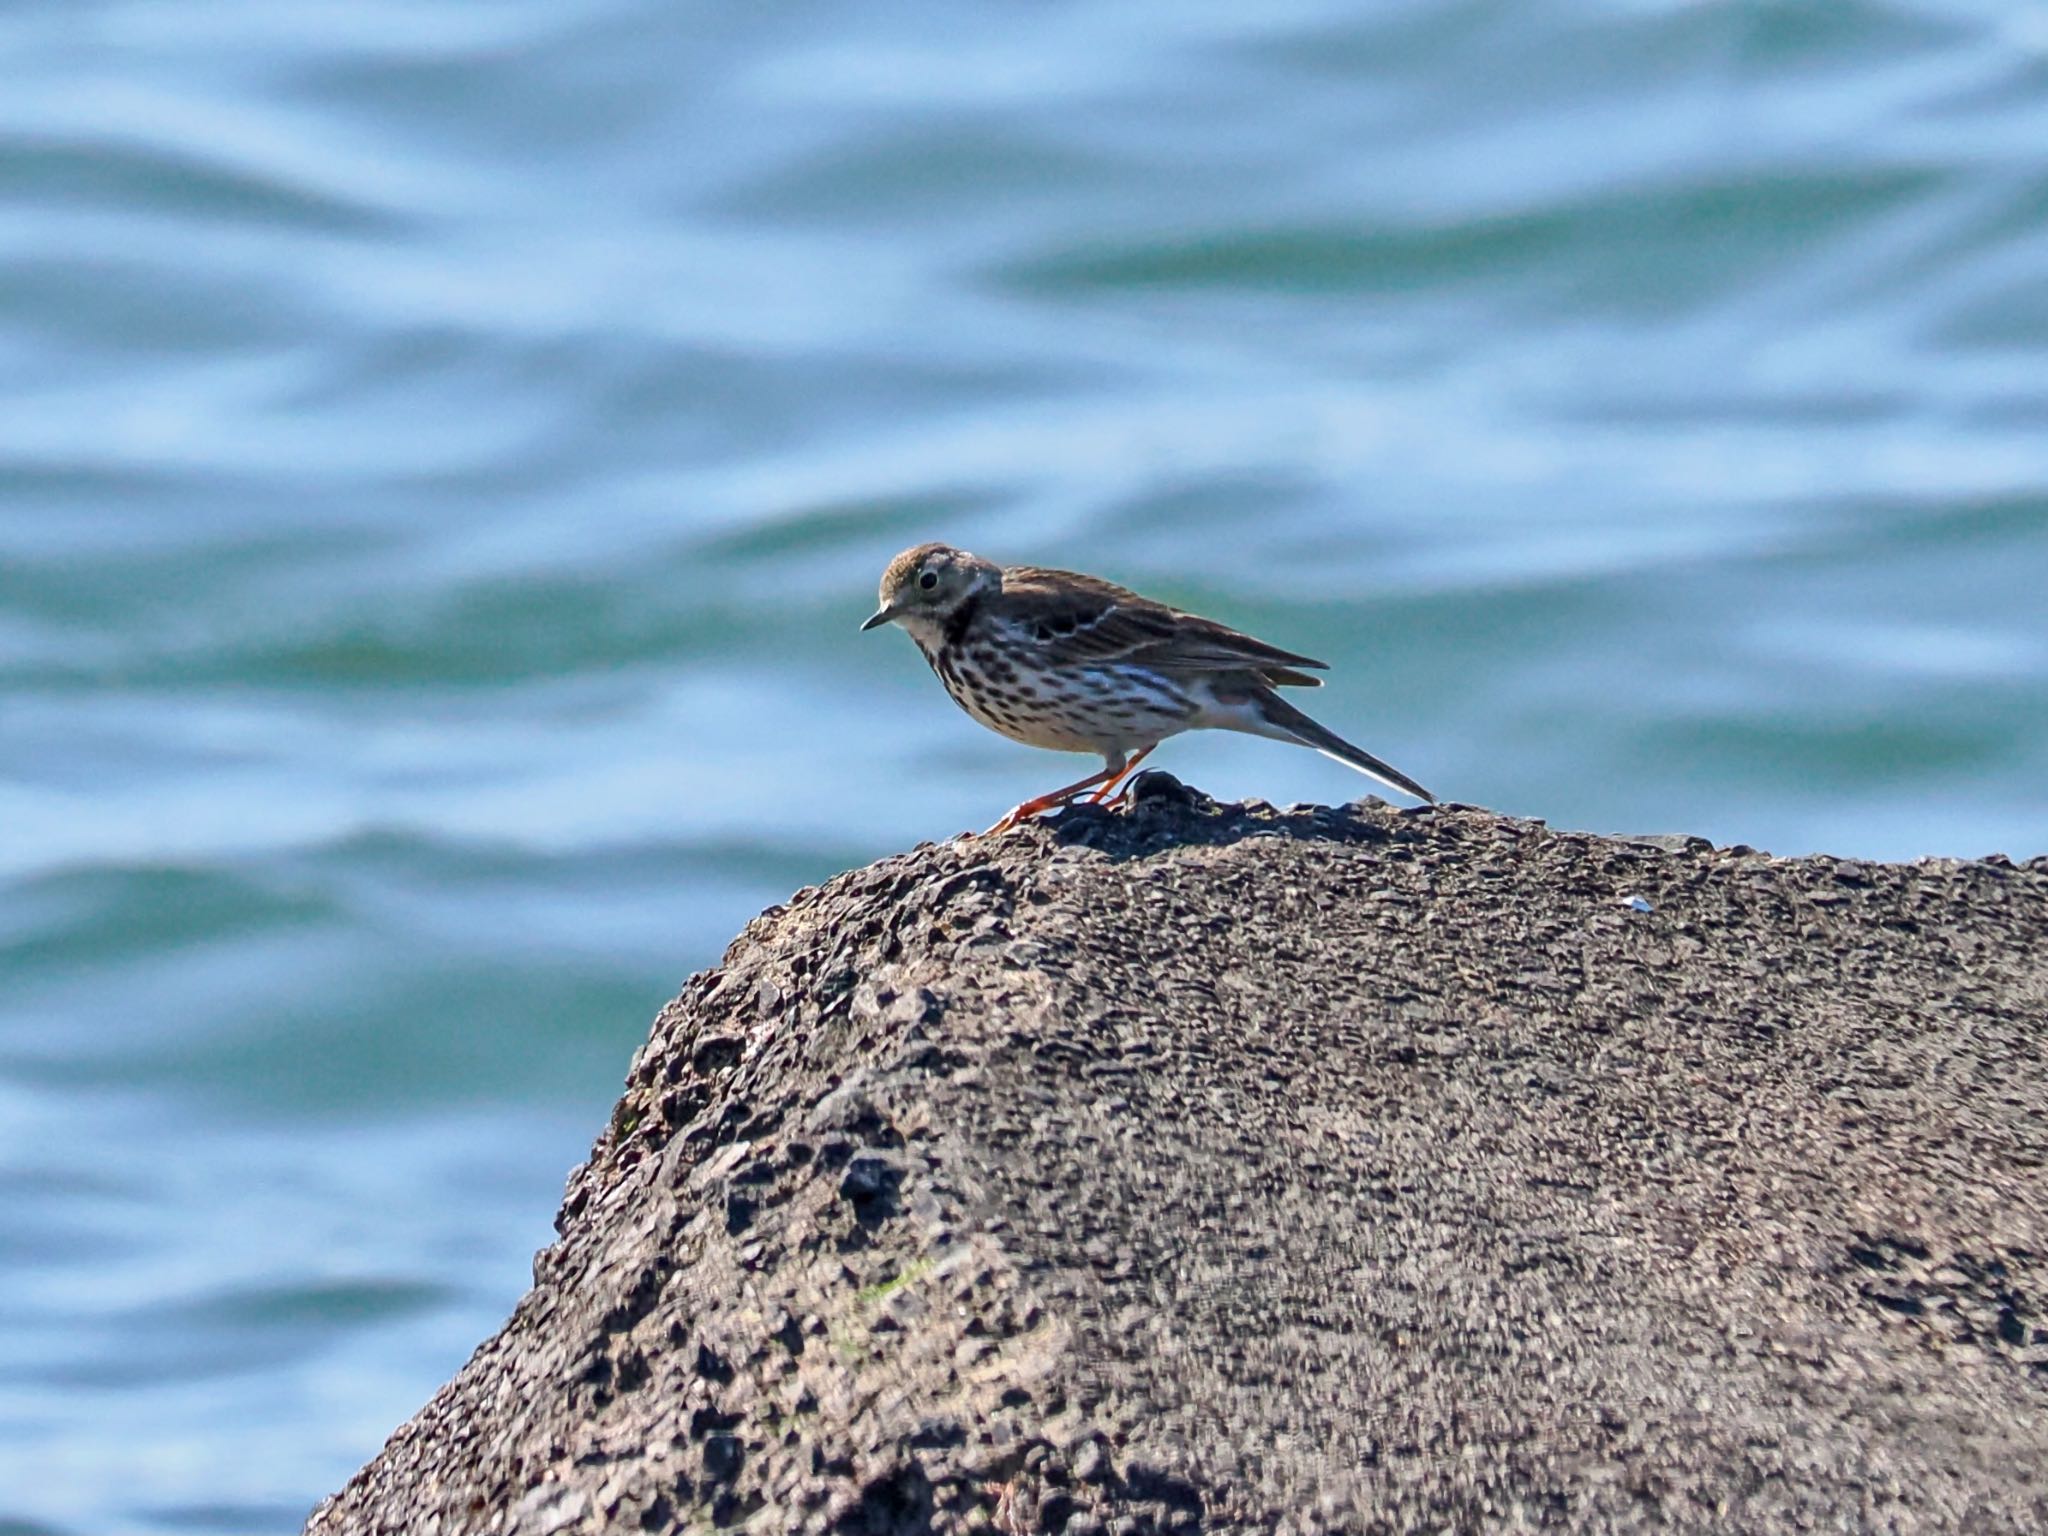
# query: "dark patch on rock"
(900, 1500)
(723, 1457)
(739, 1214)
(1201, 1167)
(713, 1366)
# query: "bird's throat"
(958, 620)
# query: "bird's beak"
(881, 615)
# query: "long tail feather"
(1299, 727)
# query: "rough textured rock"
(1227, 1169)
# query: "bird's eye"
(928, 580)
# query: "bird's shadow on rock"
(1160, 812)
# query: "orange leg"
(1123, 776)
(1031, 808)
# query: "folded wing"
(1080, 621)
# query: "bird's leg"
(1120, 786)
(1031, 808)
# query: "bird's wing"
(1080, 621)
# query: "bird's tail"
(1290, 724)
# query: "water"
(446, 450)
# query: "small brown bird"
(1076, 664)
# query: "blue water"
(445, 451)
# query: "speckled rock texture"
(1198, 1168)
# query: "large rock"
(1229, 1169)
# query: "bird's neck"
(928, 630)
(936, 632)
(956, 622)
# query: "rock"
(868, 1176)
(1090, 1464)
(1217, 1168)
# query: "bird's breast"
(1104, 709)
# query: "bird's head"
(925, 586)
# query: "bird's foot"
(1107, 779)
(1030, 810)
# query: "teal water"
(445, 451)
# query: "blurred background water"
(445, 450)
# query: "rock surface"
(1227, 1169)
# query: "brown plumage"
(1071, 662)
(1083, 619)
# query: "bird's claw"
(1030, 810)
(1017, 818)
